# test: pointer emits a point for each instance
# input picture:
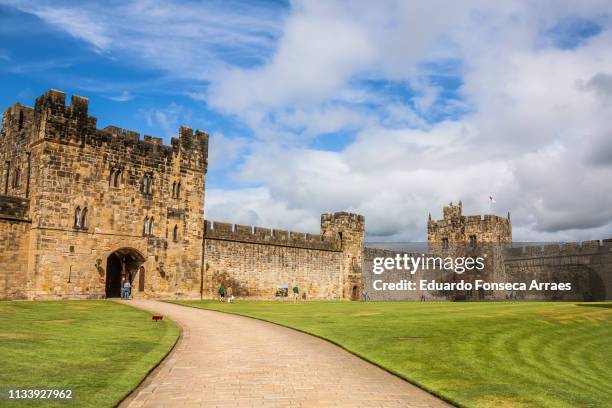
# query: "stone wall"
(224, 231)
(587, 265)
(257, 270)
(349, 229)
(15, 136)
(256, 262)
(457, 229)
(14, 247)
(396, 275)
(76, 168)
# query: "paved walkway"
(226, 360)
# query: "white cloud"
(122, 97)
(169, 118)
(189, 39)
(74, 21)
(224, 152)
(255, 206)
(536, 135)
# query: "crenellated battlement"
(268, 236)
(52, 120)
(370, 253)
(457, 228)
(563, 249)
(343, 215)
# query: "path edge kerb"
(388, 370)
(147, 378)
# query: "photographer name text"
(433, 285)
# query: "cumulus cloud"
(535, 131)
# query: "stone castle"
(82, 208)
(455, 229)
(586, 265)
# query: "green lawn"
(101, 349)
(506, 354)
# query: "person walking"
(221, 292)
(230, 294)
(127, 287)
(296, 293)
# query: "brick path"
(226, 360)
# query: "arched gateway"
(123, 263)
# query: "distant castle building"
(83, 208)
(455, 228)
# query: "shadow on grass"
(604, 305)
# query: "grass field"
(101, 349)
(520, 354)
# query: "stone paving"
(225, 360)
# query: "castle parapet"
(268, 236)
(456, 228)
(563, 249)
(51, 119)
(473, 219)
(120, 132)
(343, 215)
(194, 147)
(370, 253)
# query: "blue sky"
(391, 110)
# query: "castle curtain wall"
(258, 270)
(587, 265)
(256, 262)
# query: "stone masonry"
(456, 229)
(97, 205)
(586, 265)
(83, 208)
(257, 262)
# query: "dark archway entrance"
(123, 263)
(355, 293)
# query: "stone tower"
(99, 205)
(457, 230)
(349, 229)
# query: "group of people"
(223, 293)
(228, 293)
